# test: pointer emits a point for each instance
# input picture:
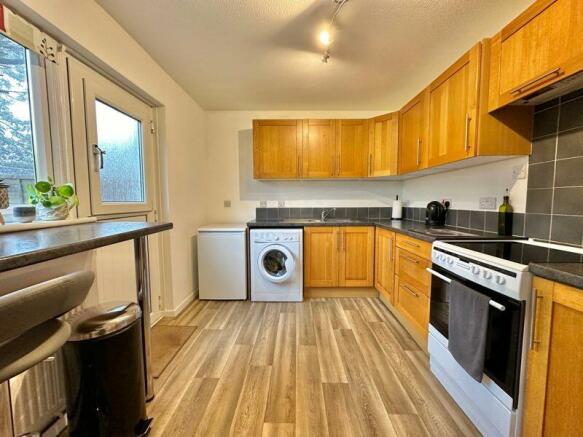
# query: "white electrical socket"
(519, 171)
(263, 204)
(487, 203)
(281, 203)
(227, 203)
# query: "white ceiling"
(264, 54)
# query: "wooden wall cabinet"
(384, 145)
(452, 105)
(277, 149)
(413, 134)
(352, 148)
(385, 263)
(319, 149)
(554, 385)
(338, 256)
(541, 46)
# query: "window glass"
(121, 175)
(17, 164)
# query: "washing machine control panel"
(275, 236)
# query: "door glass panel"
(122, 177)
(274, 263)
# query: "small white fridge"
(222, 262)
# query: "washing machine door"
(276, 263)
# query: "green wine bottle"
(505, 216)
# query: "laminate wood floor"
(323, 367)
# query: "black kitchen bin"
(104, 372)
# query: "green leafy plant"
(47, 194)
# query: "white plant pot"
(51, 214)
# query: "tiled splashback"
(478, 220)
(554, 202)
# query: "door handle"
(532, 83)
(439, 275)
(467, 133)
(98, 151)
(418, 150)
(533, 336)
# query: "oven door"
(505, 329)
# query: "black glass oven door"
(505, 329)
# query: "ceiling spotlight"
(325, 38)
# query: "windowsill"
(16, 227)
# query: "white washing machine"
(277, 273)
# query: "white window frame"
(40, 120)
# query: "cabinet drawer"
(411, 269)
(417, 247)
(413, 305)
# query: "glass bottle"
(505, 216)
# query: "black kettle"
(435, 213)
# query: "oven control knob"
(487, 274)
(500, 280)
(475, 270)
(276, 238)
(449, 260)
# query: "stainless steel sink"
(340, 220)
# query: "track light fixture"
(325, 35)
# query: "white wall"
(465, 186)
(85, 26)
(230, 171)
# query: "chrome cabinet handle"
(467, 133)
(100, 153)
(533, 82)
(410, 243)
(299, 168)
(410, 259)
(418, 150)
(409, 290)
(370, 164)
(533, 336)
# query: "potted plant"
(52, 202)
(3, 198)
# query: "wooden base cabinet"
(385, 263)
(554, 386)
(338, 256)
(413, 305)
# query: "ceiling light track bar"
(339, 5)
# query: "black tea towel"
(468, 326)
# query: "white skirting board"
(176, 311)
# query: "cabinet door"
(321, 256)
(412, 135)
(541, 46)
(452, 104)
(554, 385)
(277, 146)
(319, 149)
(356, 256)
(385, 262)
(351, 148)
(384, 145)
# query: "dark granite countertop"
(414, 229)
(566, 273)
(23, 248)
